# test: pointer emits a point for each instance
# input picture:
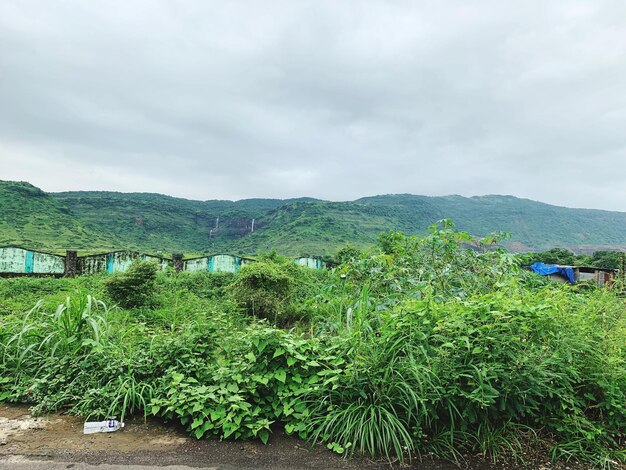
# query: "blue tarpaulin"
(547, 269)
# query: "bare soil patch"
(60, 437)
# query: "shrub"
(346, 254)
(271, 288)
(135, 287)
(254, 379)
(420, 345)
(203, 284)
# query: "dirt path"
(58, 438)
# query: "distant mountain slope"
(157, 223)
(321, 227)
(531, 223)
(163, 223)
(35, 219)
(316, 227)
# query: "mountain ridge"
(155, 222)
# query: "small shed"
(601, 276)
(572, 274)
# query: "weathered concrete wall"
(116, 262)
(20, 261)
(308, 262)
(15, 260)
(120, 261)
(92, 264)
(223, 264)
(45, 263)
(177, 262)
(12, 260)
(71, 263)
(196, 264)
(162, 262)
(216, 263)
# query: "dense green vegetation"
(417, 345)
(35, 219)
(610, 259)
(156, 223)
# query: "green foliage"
(604, 259)
(557, 256)
(253, 380)
(607, 259)
(452, 352)
(203, 284)
(135, 287)
(346, 254)
(272, 288)
(35, 219)
(417, 346)
(152, 222)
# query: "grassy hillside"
(158, 223)
(321, 227)
(532, 224)
(163, 223)
(35, 219)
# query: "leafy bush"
(273, 288)
(455, 351)
(254, 380)
(346, 254)
(203, 284)
(135, 287)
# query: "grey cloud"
(335, 100)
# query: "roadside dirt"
(60, 438)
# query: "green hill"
(319, 227)
(35, 219)
(155, 222)
(532, 224)
(152, 222)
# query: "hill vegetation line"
(104, 221)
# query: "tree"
(557, 256)
(606, 259)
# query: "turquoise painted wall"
(309, 262)
(15, 260)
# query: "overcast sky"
(336, 100)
